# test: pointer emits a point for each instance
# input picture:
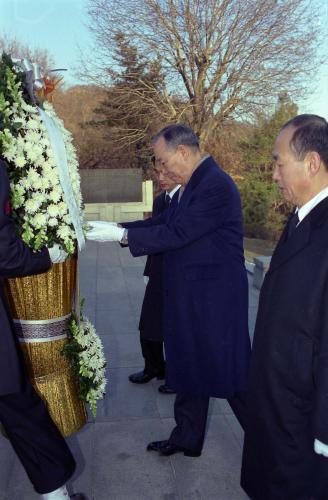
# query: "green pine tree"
(264, 209)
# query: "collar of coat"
(301, 237)
(203, 169)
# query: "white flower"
(20, 161)
(45, 183)
(32, 137)
(34, 153)
(55, 195)
(53, 222)
(32, 176)
(48, 170)
(20, 142)
(32, 205)
(90, 362)
(33, 123)
(63, 231)
(38, 184)
(39, 220)
(62, 207)
(24, 183)
(53, 210)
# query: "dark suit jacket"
(151, 317)
(288, 395)
(16, 259)
(153, 267)
(205, 285)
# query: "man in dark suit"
(286, 441)
(205, 285)
(150, 324)
(40, 447)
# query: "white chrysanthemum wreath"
(85, 351)
(39, 210)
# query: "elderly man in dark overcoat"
(39, 445)
(205, 285)
(286, 441)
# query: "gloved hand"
(57, 254)
(320, 448)
(104, 231)
(104, 223)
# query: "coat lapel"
(287, 248)
(197, 176)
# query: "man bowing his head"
(204, 281)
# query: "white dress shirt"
(174, 190)
(306, 209)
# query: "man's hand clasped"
(104, 231)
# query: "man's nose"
(275, 174)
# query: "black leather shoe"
(166, 448)
(78, 496)
(143, 377)
(164, 389)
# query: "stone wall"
(122, 212)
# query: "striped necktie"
(167, 200)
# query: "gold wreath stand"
(44, 297)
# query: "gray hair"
(177, 134)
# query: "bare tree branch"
(220, 58)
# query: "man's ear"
(184, 151)
(314, 162)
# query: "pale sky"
(58, 26)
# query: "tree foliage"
(127, 120)
(75, 106)
(264, 209)
(219, 59)
(16, 49)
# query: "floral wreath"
(40, 210)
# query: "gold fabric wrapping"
(43, 297)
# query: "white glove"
(57, 254)
(320, 448)
(146, 279)
(104, 231)
(102, 223)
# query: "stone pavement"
(112, 461)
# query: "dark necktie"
(292, 224)
(167, 200)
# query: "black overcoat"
(150, 324)
(16, 259)
(205, 285)
(288, 393)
